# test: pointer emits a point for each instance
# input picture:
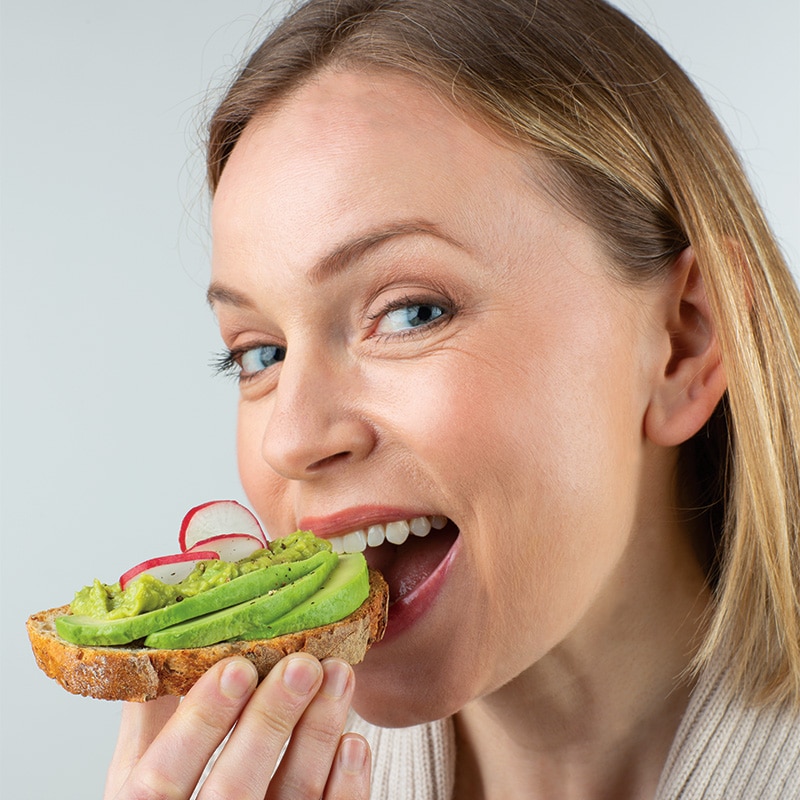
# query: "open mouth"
(406, 552)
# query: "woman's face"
(421, 333)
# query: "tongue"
(407, 566)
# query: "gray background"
(111, 424)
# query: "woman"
(489, 271)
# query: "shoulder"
(727, 748)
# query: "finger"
(173, 763)
(350, 774)
(247, 761)
(306, 765)
(139, 725)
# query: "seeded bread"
(139, 674)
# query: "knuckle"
(276, 721)
(212, 791)
(323, 731)
(275, 710)
(209, 716)
(309, 784)
(205, 723)
(152, 784)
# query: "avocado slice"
(234, 621)
(343, 592)
(84, 630)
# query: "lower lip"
(405, 613)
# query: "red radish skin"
(230, 546)
(170, 569)
(217, 518)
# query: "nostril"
(299, 442)
(324, 462)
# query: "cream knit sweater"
(722, 751)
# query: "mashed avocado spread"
(146, 593)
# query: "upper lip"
(356, 518)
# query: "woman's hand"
(165, 745)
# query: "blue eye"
(259, 358)
(408, 317)
(248, 362)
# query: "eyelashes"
(410, 316)
(224, 364)
(397, 320)
(244, 363)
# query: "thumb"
(141, 723)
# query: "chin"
(391, 697)
(395, 711)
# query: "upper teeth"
(393, 532)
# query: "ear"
(691, 380)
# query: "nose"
(314, 424)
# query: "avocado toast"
(303, 599)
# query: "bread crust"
(139, 674)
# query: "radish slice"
(230, 546)
(168, 569)
(215, 519)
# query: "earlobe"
(692, 380)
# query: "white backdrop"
(111, 424)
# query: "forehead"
(346, 146)
(344, 109)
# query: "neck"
(595, 718)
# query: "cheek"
(519, 429)
(543, 465)
(260, 483)
(248, 446)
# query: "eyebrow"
(217, 293)
(346, 254)
(341, 257)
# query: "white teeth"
(355, 542)
(375, 535)
(420, 526)
(394, 532)
(397, 532)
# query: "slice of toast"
(143, 673)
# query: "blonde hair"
(632, 147)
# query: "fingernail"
(301, 674)
(238, 679)
(353, 754)
(337, 676)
